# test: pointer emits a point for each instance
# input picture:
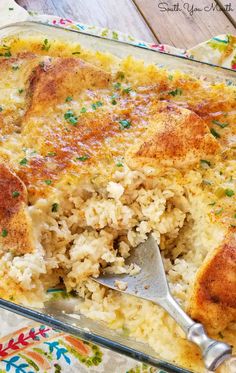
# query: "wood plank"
(179, 27)
(119, 15)
(229, 12)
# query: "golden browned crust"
(15, 72)
(15, 224)
(55, 79)
(214, 295)
(176, 137)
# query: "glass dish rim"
(130, 44)
(38, 316)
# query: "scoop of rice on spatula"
(150, 283)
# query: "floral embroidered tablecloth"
(30, 348)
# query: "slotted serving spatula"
(151, 284)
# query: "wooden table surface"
(149, 20)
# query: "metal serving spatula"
(151, 284)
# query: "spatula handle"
(213, 351)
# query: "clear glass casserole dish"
(52, 314)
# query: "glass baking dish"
(58, 313)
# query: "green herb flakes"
(68, 99)
(20, 91)
(229, 192)
(206, 182)
(46, 46)
(96, 105)
(71, 118)
(83, 158)
(1, 109)
(15, 67)
(176, 92)
(113, 101)
(204, 163)
(221, 125)
(73, 121)
(83, 110)
(127, 90)
(68, 114)
(55, 207)
(212, 204)
(120, 75)
(48, 182)
(215, 133)
(4, 233)
(6, 51)
(77, 52)
(51, 154)
(15, 194)
(23, 162)
(117, 85)
(124, 123)
(119, 164)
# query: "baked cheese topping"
(98, 152)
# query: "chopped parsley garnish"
(117, 85)
(221, 125)
(215, 133)
(120, 75)
(55, 207)
(75, 52)
(15, 194)
(23, 162)
(1, 109)
(170, 77)
(229, 192)
(20, 91)
(119, 164)
(83, 110)
(73, 121)
(113, 101)
(83, 158)
(219, 211)
(176, 92)
(6, 51)
(234, 216)
(212, 204)
(7, 54)
(48, 182)
(45, 45)
(204, 163)
(4, 233)
(127, 90)
(51, 154)
(206, 182)
(124, 123)
(68, 99)
(68, 114)
(97, 104)
(71, 118)
(11, 8)
(15, 67)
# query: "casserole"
(99, 208)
